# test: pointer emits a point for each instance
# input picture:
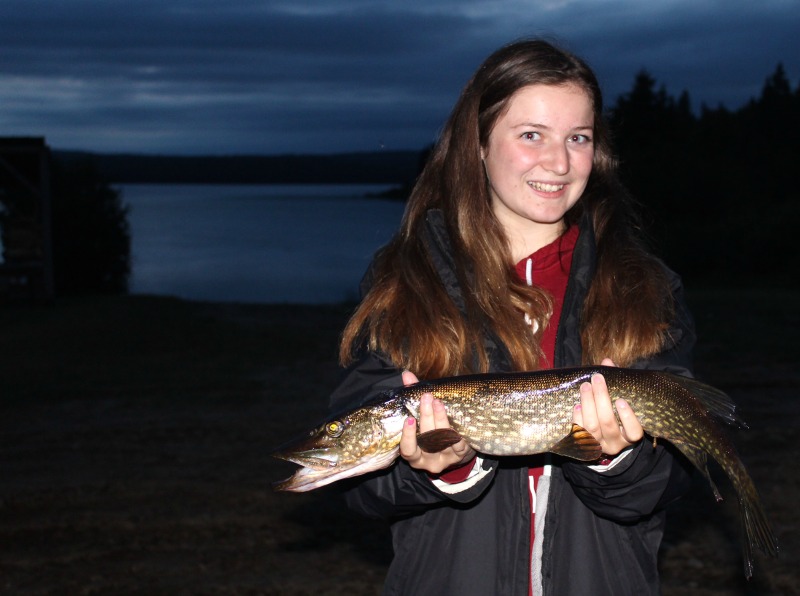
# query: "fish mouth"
(316, 472)
(317, 459)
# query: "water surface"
(265, 243)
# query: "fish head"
(350, 444)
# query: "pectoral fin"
(437, 440)
(579, 444)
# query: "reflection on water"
(268, 243)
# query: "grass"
(746, 335)
(148, 347)
(145, 347)
(137, 433)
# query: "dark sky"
(329, 76)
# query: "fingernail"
(411, 421)
(578, 406)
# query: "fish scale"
(505, 419)
(530, 413)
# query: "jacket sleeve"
(400, 489)
(651, 476)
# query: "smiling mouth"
(543, 187)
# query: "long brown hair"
(407, 314)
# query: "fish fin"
(434, 441)
(699, 458)
(758, 531)
(579, 444)
(714, 401)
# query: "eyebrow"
(545, 127)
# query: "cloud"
(200, 76)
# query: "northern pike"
(529, 413)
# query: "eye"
(580, 139)
(334, 429)
(531, 136)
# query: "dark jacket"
(601, 531)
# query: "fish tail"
(757, 528)
(755, 525)
(754, 520)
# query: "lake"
(268, 243)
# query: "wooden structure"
(26, 270)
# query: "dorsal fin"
(714, 401)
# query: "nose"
(556, 159)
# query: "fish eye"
(334, 429)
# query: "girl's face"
(538, 159)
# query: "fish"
(527, 413)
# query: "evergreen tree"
(91, 237)
(719, 189)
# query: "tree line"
(716, 186)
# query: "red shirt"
(549, 270)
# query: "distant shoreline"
(387, 167)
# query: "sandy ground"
(114, 493)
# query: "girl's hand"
(432, 415)
(596, 415)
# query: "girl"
(518, 250)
